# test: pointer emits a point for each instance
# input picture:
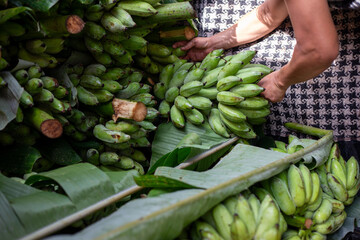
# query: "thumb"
(189, 45)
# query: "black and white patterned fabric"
(329, 101)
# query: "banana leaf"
(19, 159)
(164, 216)
(168, 136)
(8, 13)
(9, 99)
(171, 159)
(38, 5)
(10, 225)
(83, 183)
(122, 180)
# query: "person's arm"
(250, 27)
(316, 47)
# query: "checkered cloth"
(329, 101)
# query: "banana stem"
(312, 131)
(182, 33)
(128, 110)
(72, 24)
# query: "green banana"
(238, 229)
(257, 67)
(236, 127)
(296, 185)
(125, 163)
(255, 113)
(108, 158)
(337, 206)
(26, 99)
(129, 91)
(253, 103)
(177, 79)
(337, 187)
(112, 24)
(113, 48)
(229, 98)
(166, 74)
(35, 46)
(94, 46)
(237, 62)
(191, 88)
(316, 188)
(91, 82)
(134, 42)
(210, 93)
(106, 135)
(326, 227)
(201, 103)
(103, 58)
(138, 8)
(111, 86)
(158, 50)
(164, 109)
(60, 92)
(339, 221)
(249, 77)
(228, 82)
(216, 124)
(49, 83)
(86, 97)
(195, 74)
(231, 113)
(352, 173)
(245, 213)
(94, 30)
(323, 212)
(307, 179)
(178, 64)
(34, 86)
(21, 76)
(95, 69)
(210, 77)
(160, 90)
(223, 220)
(321, 171)
(211, 60)
(122, 126)
(269, 216)
(247, 90)
(338, 171)
(230, 203)
(93, 156)
(183, 104)
(177, 117)
(206, 231)
(282, 196)
(171, 94)
(102, 95)
(194, 116)
(123, 16)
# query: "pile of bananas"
(220, 90)
(44, 99)
(240, 217)
(114, 39)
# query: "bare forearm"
(252, 26)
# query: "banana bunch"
(241, 217)
(220, 90)
(307, 207)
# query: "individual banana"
(210, 77)
(171, 94)
(205, 230)
(129, 91)
(106, 135)
(321, 171)
(195, 74)
(338, 171)
(307, 179)
(269, 216)
(210, 93)
(177, 79)
(255, 206)
(231, 113)
(166, 74)
(194, 116)
(177, 117)
(339, 220)
(201, 103)
(235, 127)
(86, 97)
(249, 77)
(238, 229)
(337, 187)
(223, 220)
(296, 185)
(229, 98)
(94, 30)
(138, 8)
(164, 109)
(282, 196)
(91, 82)
(352, 173)
(183, 104)
(316, 188)
(112, 24)
(228, 82)
(323, 212)
(326, 227)
(243, 210)
(191, 88)
(123, 16)
(337, 206)
(236, 63)
(253, 103)
(216, 124)
(134, 43)
(255, 113)
(113, 48)
(247, 90)
(211, 60)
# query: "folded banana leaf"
(164, 216)
(6, 14)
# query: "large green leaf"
(122, 179)
(6, 14)
(83, 183)
(168, 136)
(38, 5)
(163, 217)
(171, 159)
(10, 225)
(9, 99)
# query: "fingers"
(188, 45)
(179, 44)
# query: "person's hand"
(274, 92)
(197, 48)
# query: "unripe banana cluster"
(313, 202)
(111, 37)
(220, 90)
(241, 217)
